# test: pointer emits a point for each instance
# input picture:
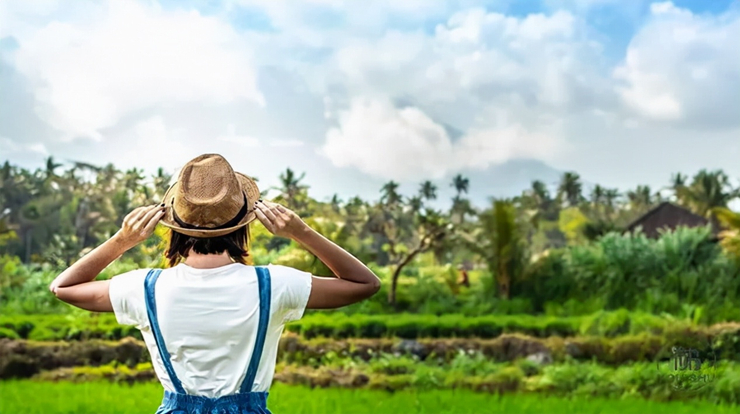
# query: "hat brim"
(247, 185)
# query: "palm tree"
(428, 190)
(498, 242)
(460, 183)
(641, 198)
(678, 180)
(460, 206)
(390, 193)
(292, 192)
(708, 190)
(598, 195)
(730, 235)
(570, 189)
(415, 203)
(611, 196)
(51, 166)
(540, 193)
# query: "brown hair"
(235, 243)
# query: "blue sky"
(358, 93)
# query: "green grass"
(339, 325)
(29, 397)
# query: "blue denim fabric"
(245, 401)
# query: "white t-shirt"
(209, 319)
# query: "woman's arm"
(75, 285)
(355, 281)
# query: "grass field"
(29, 397)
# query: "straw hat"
(209, 199)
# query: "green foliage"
(498, 241)
(730, 235)
(337, 325)
(100, 397)
(679, 273)
(67, 327)
(572, 222)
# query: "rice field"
(32, 397)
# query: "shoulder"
(126, 292)
(287, 275)
(281, 270)
(290, 290)
(132, 276)
(128, 283)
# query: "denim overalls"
(245, 401)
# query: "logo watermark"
(687, 368)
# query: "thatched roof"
(668, 216)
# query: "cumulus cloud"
(88, 76)
(405, 144)
(396, 89)
(484, 73)
(538, 59)
(683, 68)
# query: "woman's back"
(211, 323)
(209, 319)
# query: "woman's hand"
(139, 224)
(279, 220)
(76, 286)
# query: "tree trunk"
(503, 289)
(503, 280)
(28, 246)
(397, 273)
(394, 284)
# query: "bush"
(8, 333)
(412, 326)
(338, 325)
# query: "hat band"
(231, 223)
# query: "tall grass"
(27, 397)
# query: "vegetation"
(538, 294)
(104, 326)
(23, 359)
(94, 398)
(50, 216)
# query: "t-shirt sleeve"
(126, 293)
(290, 288)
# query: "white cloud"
(153, 143)
(38, 148)
(405, 144)
(543, 61)
(286, 143)
(481, 148)
(242, 140)
(683, 68)
(486, 74)
(15, 16)
(87, 77)
(401, 99)
(381, 140)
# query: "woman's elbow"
(373, 287)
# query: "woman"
(211, 323)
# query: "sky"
(358, 93)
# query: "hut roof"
(668, 216)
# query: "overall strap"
(151, 311)
(263, 278)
